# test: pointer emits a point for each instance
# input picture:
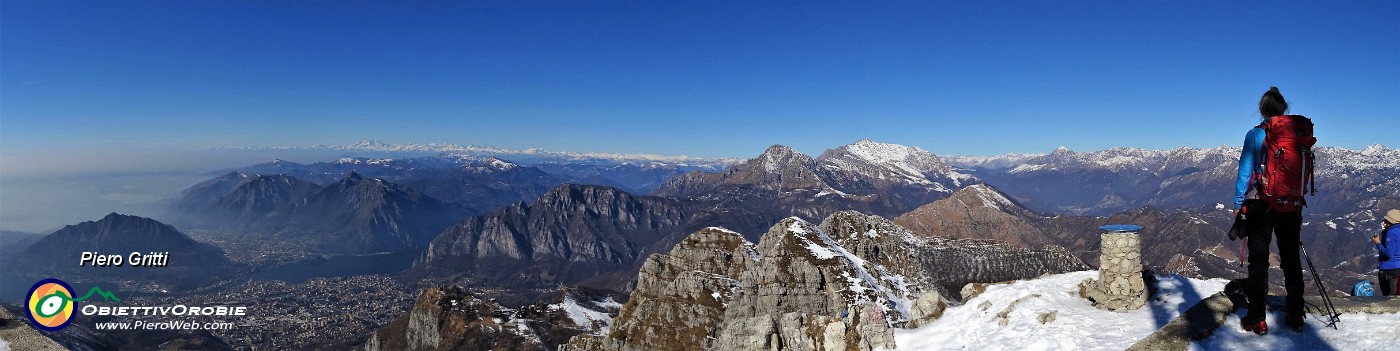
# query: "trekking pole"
(1332, 316)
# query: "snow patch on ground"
(818, 250)
(975, 325)
(523, 329)
(830, 191)
(1356, 332)
(1026, 168)
(584, 317)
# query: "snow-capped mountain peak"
(368, 144)
(877, 152)
(894, 162)
(1373, 149)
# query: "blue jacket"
(1249, 163)
(1389, 248)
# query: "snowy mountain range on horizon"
(1104, 157)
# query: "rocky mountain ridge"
(838, 285)
(867, 176)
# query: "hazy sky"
(106, 79)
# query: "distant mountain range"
(877, 178)
(355, 214)
(527, 156)
(872, 177)
(483, 183)
(1119, 179)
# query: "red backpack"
(1287, 160)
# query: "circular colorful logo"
(50, 304)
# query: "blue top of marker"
(1121, 228)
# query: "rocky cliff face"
(680, 297)
(570, 235)
(839, 285)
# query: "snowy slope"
(595, 319)
(978, 324)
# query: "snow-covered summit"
(893, 162)
(1373, 149)
(877, 152)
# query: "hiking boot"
(1259, 327)
(1294, 321)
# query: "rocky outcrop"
(927, 308)
(840, 285)
(680, 296)
(15, 333)
(452, 318)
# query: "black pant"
(1390, 282)
(1263, 225)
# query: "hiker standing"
(1270, 199)
(1388, 253)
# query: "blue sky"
(698, 78)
